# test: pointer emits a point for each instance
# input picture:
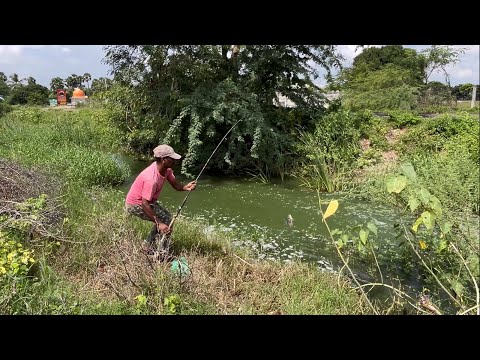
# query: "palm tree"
(15, 81)
(56, 84)
(87, 77)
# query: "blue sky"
(45, 62)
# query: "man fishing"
(142, 197)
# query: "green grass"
(465, 105)
(78, 148)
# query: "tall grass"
(327, 154)
(73, 147)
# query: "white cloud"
(348, 52)
(44, 62)
(464, 73)
(352, 51)
(73, 61)
(8, 53)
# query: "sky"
(45, 62)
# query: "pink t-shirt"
(148, 185)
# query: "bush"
(434, 133)
(4, 108)
(330, 150)
(403, 118)
(14, 259)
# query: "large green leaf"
(396, 184)
(436, 205)
(342, 241)
(417, 224)
(413, 203)
(428, 219)
(360, 246)
(363, 236)
(457, 287)
(446, 227)
(372, 227)
(442, 245)
(424, 196)
(409, 172)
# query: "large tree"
(437, 57)
(393, 77)
(15, 81)
(374, 59)
(4, 88)
(73, 81)
(56, 84)
(191, 95)
(101, 84)
(31, 94)
(87, 78)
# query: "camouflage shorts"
(162, 213)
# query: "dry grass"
(228, 284)
(18, 183)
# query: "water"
(257, 213)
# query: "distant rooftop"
(284, 101)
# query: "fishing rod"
(201, 171)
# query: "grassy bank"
(74, 251)
(429, 168)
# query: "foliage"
(430, 237)
(14, 259)
(4, 88)
(101, 85)
(328, 153)
(73, 148)
(384, 89)
(437, 57)
(31, 94)
(4, 108)
(391, 77)
(192, 94)
(401, 119)
(452, 177)
(172, 303)
(435, 94)
(464, 92)
(432, 134)
(373, 59)
(73, 81)
(56, 84)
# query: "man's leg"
(148, 244)
(165, 217)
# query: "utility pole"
(474, 96)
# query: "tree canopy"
(190, 95)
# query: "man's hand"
(190, 186)
(163, 228)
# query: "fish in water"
(289, 220)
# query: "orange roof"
(78, 93)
